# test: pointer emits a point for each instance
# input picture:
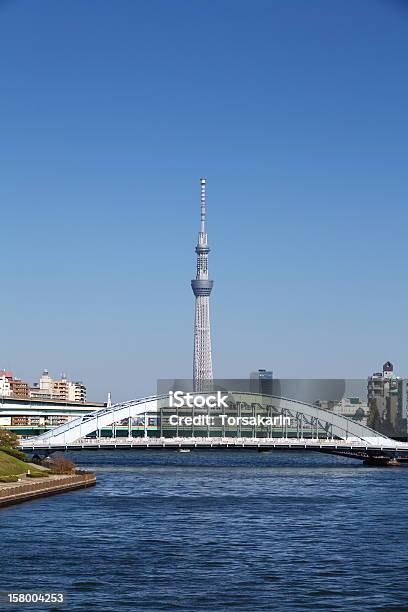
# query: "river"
(215, 531)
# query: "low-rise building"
(349, 407)
(12, 387)
(19, 388)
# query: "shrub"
(8, 478)
(14, 452)
(38, 474)
(60, 465)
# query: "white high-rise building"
(76, 392)
(202, 286)
(46, 383)
(5, 387)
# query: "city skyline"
(101, 159)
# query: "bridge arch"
(336, 426)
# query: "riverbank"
(17, 492)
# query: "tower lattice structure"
(202, 286)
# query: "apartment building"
(47, 388)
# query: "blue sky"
(295, 111)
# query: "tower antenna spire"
(203, 184)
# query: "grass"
(10, 466)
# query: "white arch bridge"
(311, 428)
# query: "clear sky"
(296, 112)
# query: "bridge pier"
(381, 461)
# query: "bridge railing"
(216, 441)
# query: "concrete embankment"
(14, 493)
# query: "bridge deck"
(350, 447)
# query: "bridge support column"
(381, 461)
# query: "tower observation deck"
(202, 287)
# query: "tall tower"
(202, 286)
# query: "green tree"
(8, 438)
(359, 415)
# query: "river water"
(215, 531)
